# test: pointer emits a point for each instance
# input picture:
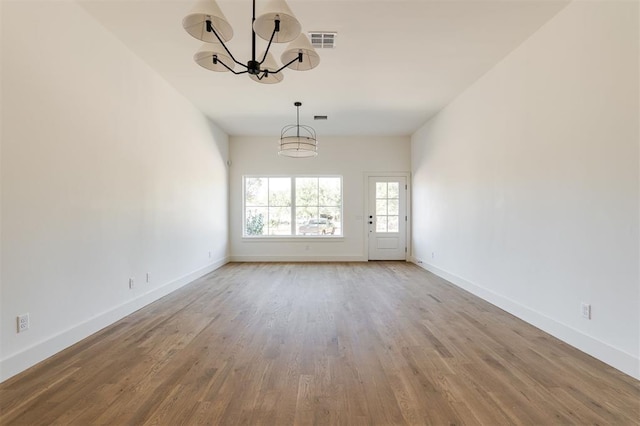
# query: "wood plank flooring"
(380, 343)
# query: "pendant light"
(298, 141)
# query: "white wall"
(1, 132)
(350, 157)
(527, 184)
(107, 173)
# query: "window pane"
(279, 220)
(393, 225)
(304, 215)
(255, 191)
(381, 190)
(381, 207)
(332, 215)
(306, 191)
(329, 192)
(314, 226)
(394, 207)
(279, 192)
(255, 221)
(381, 224)
(394, 190)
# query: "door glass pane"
(394, 207)
(393, 225)
(393, 190)
(387, 206)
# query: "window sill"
(289, 238)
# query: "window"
(292, 206)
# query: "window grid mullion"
(268, 205)
(293, 206)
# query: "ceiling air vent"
(320, 117)
(323, 40)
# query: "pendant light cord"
(298, 119)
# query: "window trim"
(293, 237)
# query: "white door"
(387, 218)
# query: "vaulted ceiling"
(395, 64)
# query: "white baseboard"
(606, 353)
(20, 361)
(308, 258)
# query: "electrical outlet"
(433, 254)
(586, 311)
(210, 255)
(131, 283)
(23, 322)
(148, 277)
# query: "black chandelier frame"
(253, 67)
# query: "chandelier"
(298, 141)
(275, 24)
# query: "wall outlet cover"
(23, 322)
(586, 310)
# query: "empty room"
(389, 212)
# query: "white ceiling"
(396, 62)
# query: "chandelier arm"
(210, 29)
(265, 73)
(276, 28)
(298, 58)
(216, 60)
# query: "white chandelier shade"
(210, 55)
(289, 26)
(272, 76)
(301, 45)
(195, 23)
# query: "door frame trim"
(367, 203)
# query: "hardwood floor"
(335, 343)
